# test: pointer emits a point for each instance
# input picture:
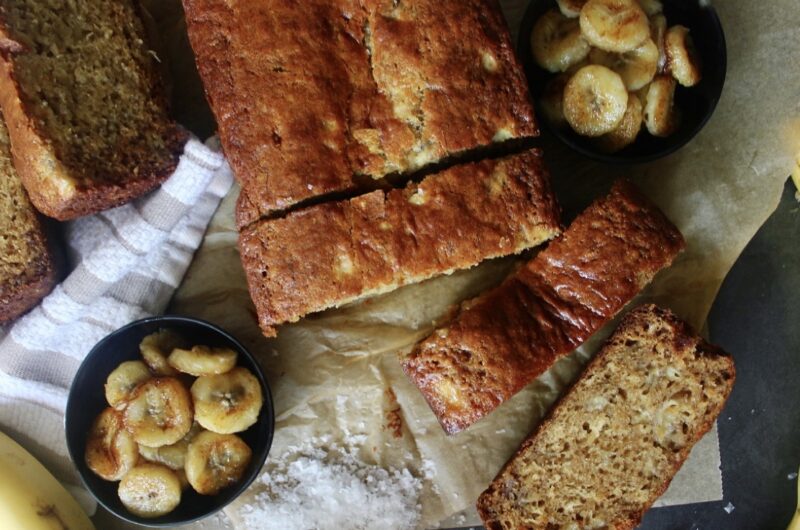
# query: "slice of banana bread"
(507, 337)
(610, 447)
(85, 108)
(28, 264)
(313, 97)
(328, 255)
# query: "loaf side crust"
(23, 286)
(331, 254)
(501, 341)
(313, 99)
(64, 192)
(668, 337)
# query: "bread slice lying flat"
(28, 261)
(501, 341)
(610, 447)
(84, 105)
(335, 253)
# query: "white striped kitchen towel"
(125, 265)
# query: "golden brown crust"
(312, 97)
(504, 339)
(327, 255)
(64, 192)
(668, 334)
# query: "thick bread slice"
(29, 266)
(313, 97)
(610, 447)
(504, 339)
(328, 255)
(85, 108)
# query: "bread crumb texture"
(611, 446)
(87, 79)
(21, 242)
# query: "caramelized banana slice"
(227, 403)
(627, 131)
(614, 25)
(595, 100)
(123, 380)
(682, 59)
(570, 8)
(216, 461)
(660, 115)
(110, 450)
(658, 29)
(159, 412)
(556, 42)
(636, 67)
(203, 360)
(173, 456)
(156, 347)
(150, 490)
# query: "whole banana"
(30, 497)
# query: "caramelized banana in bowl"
(168, 420)
(623, 81)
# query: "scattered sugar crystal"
(729, 508)
(326, 486)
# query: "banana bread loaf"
(28, 258)
(331, 254)
(612, 444)
(85, 108)
(314, 97)
(504, 339)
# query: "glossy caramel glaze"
(311, 97)
(504, 339)
(331, 254)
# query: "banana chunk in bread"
(610, 447)
(504, 339)
(28, 260)
(85, 108)
(331, 254)
(314, 97)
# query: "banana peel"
(796, 177)
(31, 498)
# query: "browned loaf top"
(610, 447)
(311, 97)
(84, 105)
(501, 341)
(28, 264)
(327, 255)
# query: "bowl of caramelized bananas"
(624, 80)
(168, 420)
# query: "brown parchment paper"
(331, 373)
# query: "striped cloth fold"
(125, 263)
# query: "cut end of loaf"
(612, 444)
(85, 105)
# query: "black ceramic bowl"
(696, 104)
(87, 400)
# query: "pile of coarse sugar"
(326, 486)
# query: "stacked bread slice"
(350, 125)
(29, 259)
(84, 104)
(87, 127)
